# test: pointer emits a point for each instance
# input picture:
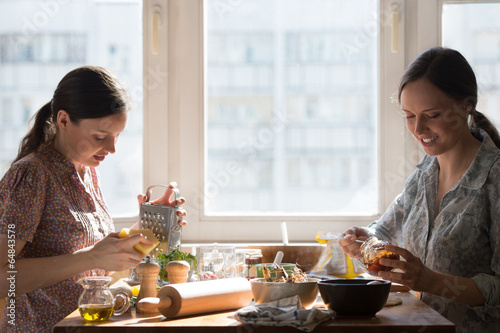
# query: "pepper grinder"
(177, 271)
(147, 274)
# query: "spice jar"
(373, 249)
(252, 258)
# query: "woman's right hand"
(347, 241)
(116, 254)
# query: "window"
(40, 41)
(252, 108)
(43, 48)
(288, 107)
(472, 29)
(206, 109)
(217, 84)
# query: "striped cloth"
(283, 312)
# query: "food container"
(216, 261)
(304, 256)
(258, 269)
(354, 297)
(373, 249)
(97, 302)
(253, 257)
(272, 291)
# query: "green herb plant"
(174, 255)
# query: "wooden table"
(411, 316)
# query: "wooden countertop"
(411, 316)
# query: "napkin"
(284, 312)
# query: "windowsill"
(251, 244)
(304, 253)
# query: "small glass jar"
(239, 266)
(373, 249)
(253, 257)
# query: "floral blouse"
(463, 239)
(56, 213)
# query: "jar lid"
(253, 253)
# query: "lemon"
(135, 290)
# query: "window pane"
(40, 41)
(474, 30)
(291, 107)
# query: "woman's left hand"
(415, 275)
(167, 201)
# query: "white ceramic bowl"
(272, 291)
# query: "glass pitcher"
(97, 303)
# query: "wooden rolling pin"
(191, 298)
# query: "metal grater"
(163, 221)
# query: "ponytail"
(42, 132)
(480, 121)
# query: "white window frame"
(174, 124)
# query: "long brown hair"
(450, 72)
(86, 92)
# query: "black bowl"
(353, 297)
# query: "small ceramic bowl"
(272, 291)
(354, 297)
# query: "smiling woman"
(449, 205)
(436, 122)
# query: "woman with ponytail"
(445, 225)
(52, 212)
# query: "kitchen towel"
(284, 312)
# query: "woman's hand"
(111, 254)
(116, 254)
(415, 275)
(166, 200)
(348, 244)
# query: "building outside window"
(40, 41)
(261, 111)
(292, 108)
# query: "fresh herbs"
(174, 255)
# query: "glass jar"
(239, 266)
(216, 261)
(97, 303)
(253, 257)
(373, 249)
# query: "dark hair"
(450, 72)
(86, 92)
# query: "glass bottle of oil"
(96, 301)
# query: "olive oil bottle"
(96, 302)
(95, 312)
